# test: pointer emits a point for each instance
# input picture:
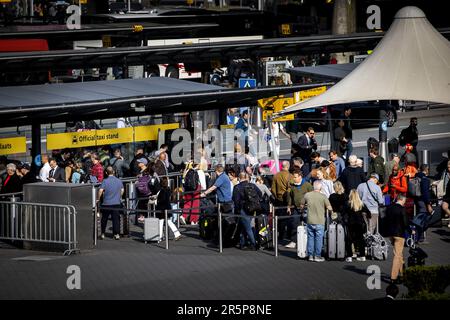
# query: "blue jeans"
(349, 150)
(245, 220)
(315, 239)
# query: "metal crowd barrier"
(39, 222)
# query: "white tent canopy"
(412, 62)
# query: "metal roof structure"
(88, 31)
(328, 71)
(21, 105)
(189, 53)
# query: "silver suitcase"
(336, 241)
(302, 240)
(151, 229)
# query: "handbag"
(381, 207)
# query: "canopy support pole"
(272, 143)
(35, 144)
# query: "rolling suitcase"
(151, 230)
(302, 241)
(263, 233)
(151, 226)
(336, 241)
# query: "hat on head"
(142, 160)
(26, 166)
(376, 176)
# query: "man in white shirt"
(45, 170)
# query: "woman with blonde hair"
(356, 226)
(338, 200)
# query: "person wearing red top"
(97, 168)
(397, 183)
(11, 182)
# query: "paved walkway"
(193, 270)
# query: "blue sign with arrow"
(247, 83)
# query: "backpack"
(142, 185)
(414, 187)
(252, 200)
(191, 180)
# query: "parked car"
(364, 115)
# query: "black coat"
(396, 222)
(409, 135)
(13, 185)
(338, 202)
(355, 219)
(305, 148)
(239, 197)
(163, 202)
(28, 178)
(351, 178)
(59, 174)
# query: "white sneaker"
(319, 259)
(291, 245)
(116, 237)
(349, 259)
(193, 223)
(311, 258)
(361, 259)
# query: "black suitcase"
(393, 145)
(263, 232)
(230, 232)
(372, 143)
(207, 227)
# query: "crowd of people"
(310, 188)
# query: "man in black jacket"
(240, 199)
(56, 173)
(27, 175)
(352, 176)
(396, 224)
(410, 136)
(307, 144)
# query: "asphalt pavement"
(194, 270)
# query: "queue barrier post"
(220, 228)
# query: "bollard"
(220, 228)
(425, 154)
(95, 213)
(166, 229)
(275, 236)
(13, 216)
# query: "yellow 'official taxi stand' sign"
(106, 136)
(13, 145)
(146, 133)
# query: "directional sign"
(247, 83)
(276, 104)
(13, 145)
(307, 94)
